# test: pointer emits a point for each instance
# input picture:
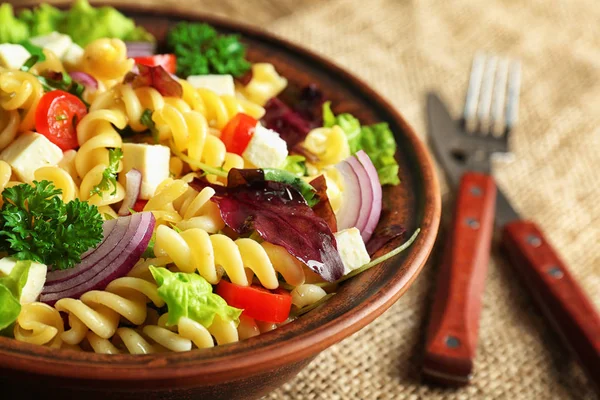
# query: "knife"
(452, 333)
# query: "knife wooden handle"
(557, 293)
(454, 322)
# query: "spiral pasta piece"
(61, 180)
(95, 134)
(100, 311)
(9, 126)
(265, 84)
(212, 255)
(197, 211)
(330, 145)
(106, 60)
(40, 324)
(20, 90)
(132, 343)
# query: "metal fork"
(465, 150)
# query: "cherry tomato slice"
(257, 302)
(57, 116)
(139, 205)
(238, 132)
(167, 61)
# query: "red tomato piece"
(167, 61)
(238, 132)
(257, 302)
(139, 205)
(57, 116)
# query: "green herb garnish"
(109, 176)
(200, 50)
(146, 120)
(35, 224)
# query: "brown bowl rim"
(220, 368)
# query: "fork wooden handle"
(454, 322)
(556, 291)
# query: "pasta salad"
(173, 196)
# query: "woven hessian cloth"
(404, 48)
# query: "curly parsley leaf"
(146, 120)
(35, 224)
(109, 176)
(200, 50)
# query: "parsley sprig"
(35, 224)
(201, 50)
(52, 80)
(109, 176)
(146, 120)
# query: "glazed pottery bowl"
(255, 366)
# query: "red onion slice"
(366, 193)
(107, 228)
(122, 258)
(132, 191)
(352, 200)
(110, 242)
(376, 204)
(86, 80)
(140, 49)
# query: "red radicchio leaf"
(156, 77)
(383, 236)
(306, 102)
(282, 119)
(280, 215)
(323, 207)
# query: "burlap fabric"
(404, 48)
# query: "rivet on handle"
(475, 191)
(452, 342)
(534, 240)
(555, 272)
(472, 223)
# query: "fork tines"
(492, 103)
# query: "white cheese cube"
(13, 56)
(220, 84)
(56, 42)
(151, 160)
(35, 278)
(73, 55)
(29, 152)
(352, 249)
(266, 149)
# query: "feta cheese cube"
(56, 42)
(13, 56)
(73, 55)
(220, 84)
(352, 249)
(151, 160)
(29, 152)
(266, 149)
(35, 278)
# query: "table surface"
(403, 49)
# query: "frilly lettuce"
(12, 30)
(376, 140)
(10, 293)
(83, 23)
(190, 295)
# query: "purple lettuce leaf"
(280, 215)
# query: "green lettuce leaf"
(12, 30)
(376, 140)
(42, 20)
(296, 165)
(190, 295)
(85, 24)
(10, 293)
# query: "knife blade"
(452, 333)
(544, 273)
